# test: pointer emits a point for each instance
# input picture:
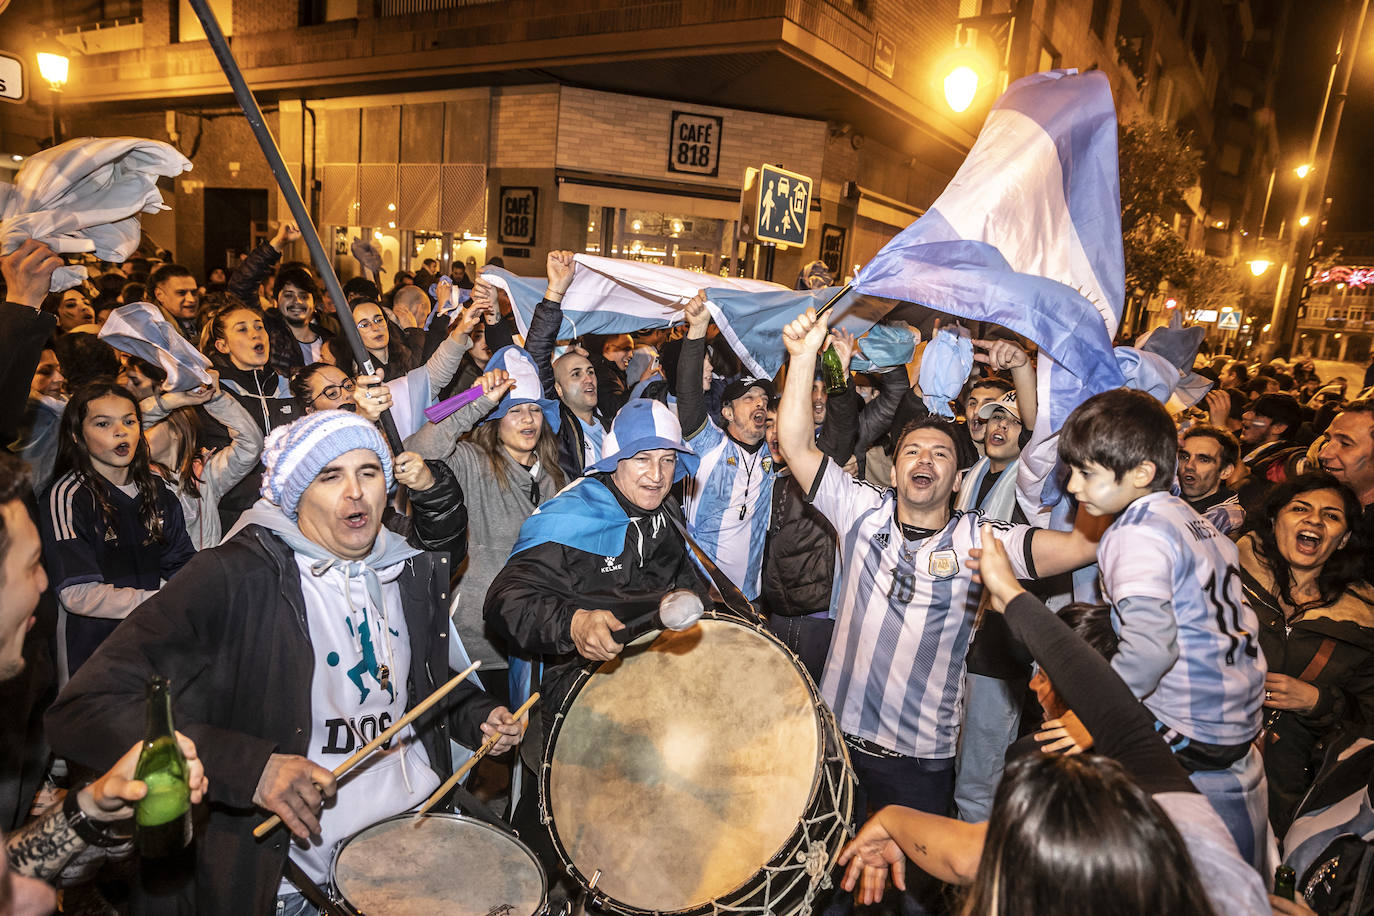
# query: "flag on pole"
(1028, 236)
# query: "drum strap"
(729, 593)
(310, 890)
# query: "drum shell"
(822, 826)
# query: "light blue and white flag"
(140, 329)
(615, 296)
(1028, 236)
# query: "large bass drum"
(442, 865)
(698, 774)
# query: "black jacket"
(25, 332)
(799, 555)
(531, 602)
(539, 344)
(230, 632)
(1330, 647)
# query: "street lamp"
(1258, 266)
(1303, 170)
(1304, 220)
(961, 85)
(54, 68)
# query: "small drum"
(446, 865)
(698, 774)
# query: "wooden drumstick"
(420, 709)
(472, 761)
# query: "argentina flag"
(1028, 236)
(616, 296)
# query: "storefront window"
(677, 239)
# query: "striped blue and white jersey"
(1160, 549)
(905, 614)
(728, 503)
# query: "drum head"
(679, 771)
(445, 865)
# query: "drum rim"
(441, 815)
(546, 772)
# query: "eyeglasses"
(371, 322)
(334, 392)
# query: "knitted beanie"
(296, 453)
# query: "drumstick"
(420, 709)
(472, 761)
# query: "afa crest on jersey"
(943, 564)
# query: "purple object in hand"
(454, 404)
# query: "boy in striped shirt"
(1189, 649)
(906, 599)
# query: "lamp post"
(54, 67)
(1322, 150)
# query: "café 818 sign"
(694, 143)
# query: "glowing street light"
(1304, 220)
(53, 68)
(1258, 266)
(1303, 170)
(961, 85)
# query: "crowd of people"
(303, 582)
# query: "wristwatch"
(91, 831)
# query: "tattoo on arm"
(919, 849)
(42, 848)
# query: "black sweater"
(1121, 727)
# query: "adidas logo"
(881, 539)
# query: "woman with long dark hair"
(1125, 833)
(112, 530)
(1301, 571)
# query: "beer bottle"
(1285, 882)
(832, 371)
(162, 818)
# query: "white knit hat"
(296, 453)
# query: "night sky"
(1311, 40)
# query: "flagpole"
(844, 291)
(253, 113)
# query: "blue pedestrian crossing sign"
(1229, 321)
(784, 200)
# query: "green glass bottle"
(162, 818)
(1285, 882)
(832, 371)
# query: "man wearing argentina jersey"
(1189, 646)
(906, 600)
(729, 498)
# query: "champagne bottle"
(1285, 882)
(162, 818)
(832, 371)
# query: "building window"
(186, 27)
(314, 12)
(1098, 23)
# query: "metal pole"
(1346, 52)
(253, 114)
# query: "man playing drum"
(907, 602)
(288, 647)
(600, 554)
